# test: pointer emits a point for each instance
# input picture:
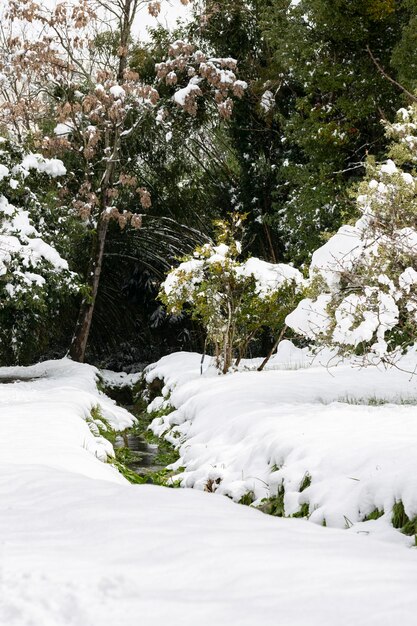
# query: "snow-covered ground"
(80, 546)
(261, 432)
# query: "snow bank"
(81, 546)
(264, 432)
(84, 552)
(43, 418)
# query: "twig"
(388, 77)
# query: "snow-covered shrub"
(33, 275)
(363, 281)
(234, 300)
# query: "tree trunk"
(85, 317)
(272, 350)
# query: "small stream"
(144, 453)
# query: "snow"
(63, 129)
(267, 101)
(338, 254)
(407, 279)
(242, 84)
(258, 432)
(4, 171)
(22, 248)
(52, 167)
(117, 92)
(119, 379)
(389, 167)
(81, 546)
(270, 276)
(47, 412)
(310, 317)
(180, 97)
(18, 236)
(347, 329)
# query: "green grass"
(306, 482)
(274, 505)
(303, 512)
(129, 474)
(374, 515)
(374, 401)
(247, 498)
(99, 425)
(401, 520)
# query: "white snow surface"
(270, 276)
(79, 546)
(260, 431)
(180, 96)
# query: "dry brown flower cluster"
(205, 75)
(123, 218)
(57, 74)
(54, 76)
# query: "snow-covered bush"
(363, 281)
(233, 300)
(33, 275)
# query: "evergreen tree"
(328, 52)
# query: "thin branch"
(388, 77)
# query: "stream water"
(144, 455)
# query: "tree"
(233, 300)
(252, 139)
(363, 281)
(322, 51)
(98, 102)
(35, 280)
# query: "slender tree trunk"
(272, 350)
(85, 316)
(270, 244)
(243, 348)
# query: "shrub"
(34, 278)
(363, 281)
(233, 299)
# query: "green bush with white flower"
(34, 278)
(233, 299)
(363, 281)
